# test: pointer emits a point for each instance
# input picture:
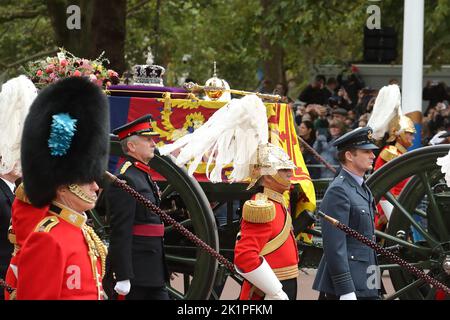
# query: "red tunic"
(24, 218)
(254, 237)
(54, 262)
(384, 157)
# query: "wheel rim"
(429, 252)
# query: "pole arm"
(191, 86)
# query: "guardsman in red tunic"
(65, 146)
(402, 133)
(388, 122)
(24, 218)
(68, 249)
(266, 252)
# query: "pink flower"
(86, 64)
(112, 73)
(52, 76)
(50, 68)
(63, 62)
(92, 77)
(39, 73)
(77, 73)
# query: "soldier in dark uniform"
(348, 268)
(6, 248)
(136, 254)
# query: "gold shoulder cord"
(13, 295)
(96, 249)
(260, 210)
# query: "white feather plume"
(444, 163)
(16, 97)
(387, 106)
(231, 135)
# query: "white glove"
(123, 287)
(348, 296)
(280, 295)
(265, 280)
(387, 208)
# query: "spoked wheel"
(193, 270)
(419, 226)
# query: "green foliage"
(309, 32)
(436, 37)
(24, 30)
(206, 31)
(317, 32)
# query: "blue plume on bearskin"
(65, 138)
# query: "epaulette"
(389, 153)
(125, 167)
(47, 224)
(21, 195)
(400, 148)
(260, 210)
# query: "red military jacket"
(60, 260)
(24, 218)
(254, 236)
(387, 154)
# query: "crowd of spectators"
(328, 108)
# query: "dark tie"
(366, 189)
(369, 195)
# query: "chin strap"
(281, 180)
(76, 190)
(402, 140)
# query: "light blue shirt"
(357, 178)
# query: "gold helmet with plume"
(236, 134)
(270, 159)
(387, 115)
(400, 125)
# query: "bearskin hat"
(16, 97)
(65, 138)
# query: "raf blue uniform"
(348, 265)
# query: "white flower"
(444, 162)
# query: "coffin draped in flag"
(176, 118)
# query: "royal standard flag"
(282, 133)
(177, 117)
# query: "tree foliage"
(24, 31)
(282, 39)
